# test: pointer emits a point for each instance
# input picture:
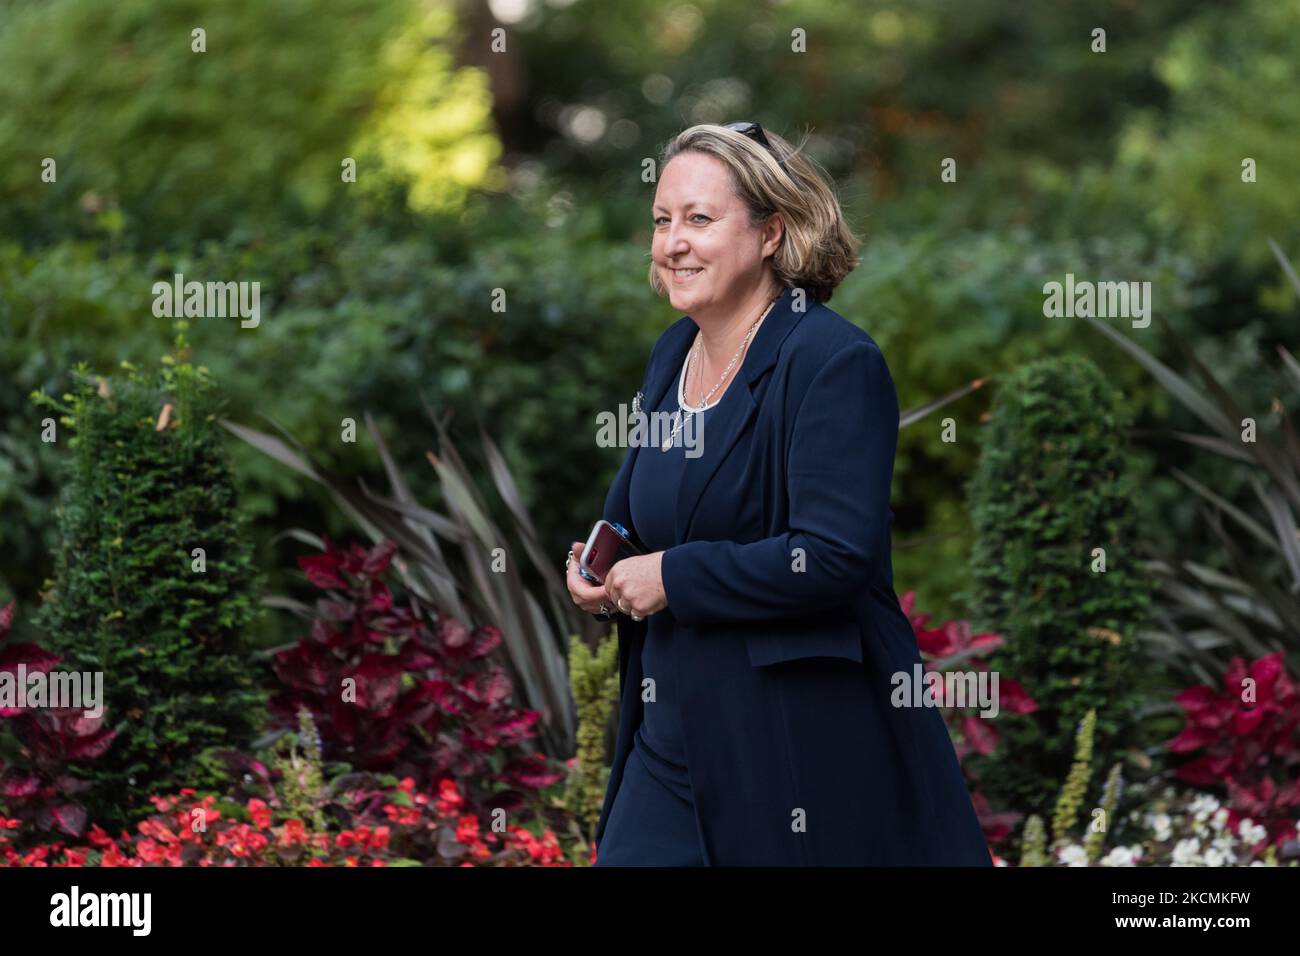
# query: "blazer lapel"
(659, 377)
(717, 440)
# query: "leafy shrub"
(393, 693)
(1242, 594)
(452, 561)
(594, 679)
(35, 782)
(1054, 483)
(147, 484)
(1245, 740)
(251, 144)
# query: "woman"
(759, 629)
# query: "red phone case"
(605, 547)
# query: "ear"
(773, 233)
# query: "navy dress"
(652, 821)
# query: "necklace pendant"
(677, 424)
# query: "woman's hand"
(590, 597)
(636, 587)
(636, 582)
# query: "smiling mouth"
(684, 275)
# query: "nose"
(675, 244)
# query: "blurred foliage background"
(481, 168)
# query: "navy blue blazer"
(787, 633)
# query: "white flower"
(1187, 852)
(1073, 855)
(1250, 832)
(1122, 856)
(1160, 825)
(1220, 818)
(1224, 845)
(1203, 805)
(1213, 857)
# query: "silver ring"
(568, 561)
(637, 617)
(603, 608)
(621, 607)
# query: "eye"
(659, 220)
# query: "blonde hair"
(817, 248)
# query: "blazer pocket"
(792, 639)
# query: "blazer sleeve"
(839, 470)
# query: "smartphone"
(607, 544)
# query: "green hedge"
(134, 597)
(1055, 482)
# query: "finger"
(576, 576)
(587, 596)
(620, 600)
(579, 589)
(575, 566)
(576, 582)
(583, 590)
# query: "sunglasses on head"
(755, 132)
(752, 130)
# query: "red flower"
(292, 833)
(449, 798)
(155, 830)
(467, 829)
(401, 815)
(260, 813)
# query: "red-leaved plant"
(952, 646)
(38, 786)
(392, 692)
(1245, 741)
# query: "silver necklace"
(682, 405)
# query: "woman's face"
(700, 224)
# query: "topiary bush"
(1055, 483)
(147, 486)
